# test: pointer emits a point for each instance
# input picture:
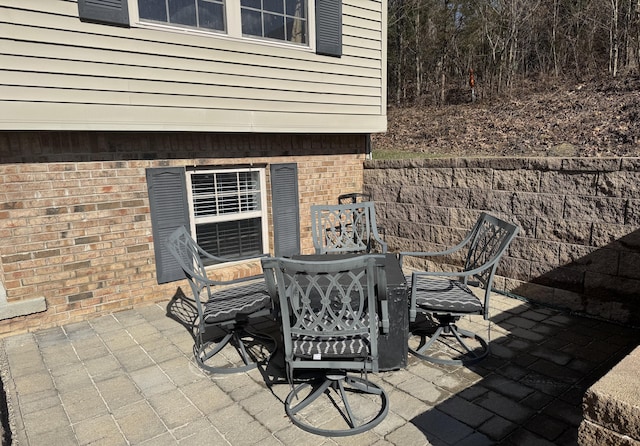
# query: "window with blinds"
(229, 218)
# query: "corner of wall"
(20, 308)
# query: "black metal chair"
(346, 228)
(444, 297)
(228, 309)
(330, 322)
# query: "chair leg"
(240, 339)
(343, 386)
(467, 355)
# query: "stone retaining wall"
(579, 245)
(612, 407)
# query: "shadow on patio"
(528, 391)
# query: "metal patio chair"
(331, 317)
(225, 305)
(444, 297)
(346, 228)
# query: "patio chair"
(330, 323)
(228, 309)
(346, 228)
(444, 297)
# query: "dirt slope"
(595, 118)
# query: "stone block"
(632, 164)
(629, 265)
(535, 250)
(473, 178)
(514, 268)
(564, 231)
(497, 163)
(545, 164)
(590, 434)
(557, 277)
(591, 164)
(516, 180)
(595, 209)
(415, 195)
(633, 213)
(449, 196)
(462, 218)
(618, 184)
(566, 183)
(587, 258)
(613, 404)
(538, 205)
(495, 201)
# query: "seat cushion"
(445, 295)
(334, 347)
(229, 303)
(355, 345)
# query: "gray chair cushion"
(445, 295)
(229, 303)
(357, 346)
(352, 347)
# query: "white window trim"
(263, 214)
(234, 27)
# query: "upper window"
(206, 14)
(228, 211)
(275, 19)
(281, 20)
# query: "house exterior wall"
(58, 73)
(75, 226)
(579, 243)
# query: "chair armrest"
(464, 273)
(379, 241)
(240, 279)
(453, 249)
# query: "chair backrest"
(345, 228)
(329, 301)
(188, 255)
(488, 241)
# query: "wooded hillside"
(434, 45)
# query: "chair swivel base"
(242, 341)
(456, 341)
(342, 384)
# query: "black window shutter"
(112, 12)
(285, 208)
(169, 210)
(329, 27)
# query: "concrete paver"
(130, 378)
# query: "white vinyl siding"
(57, 72)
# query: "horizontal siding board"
(358, 22)
(74, 40)
(77, 86)
(42, 94)
(358, 42)
(56, 116)
(374, 16)
(93, 75)
(120, 60)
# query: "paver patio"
(130, 378)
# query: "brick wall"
(74, 211)
(579, 246)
